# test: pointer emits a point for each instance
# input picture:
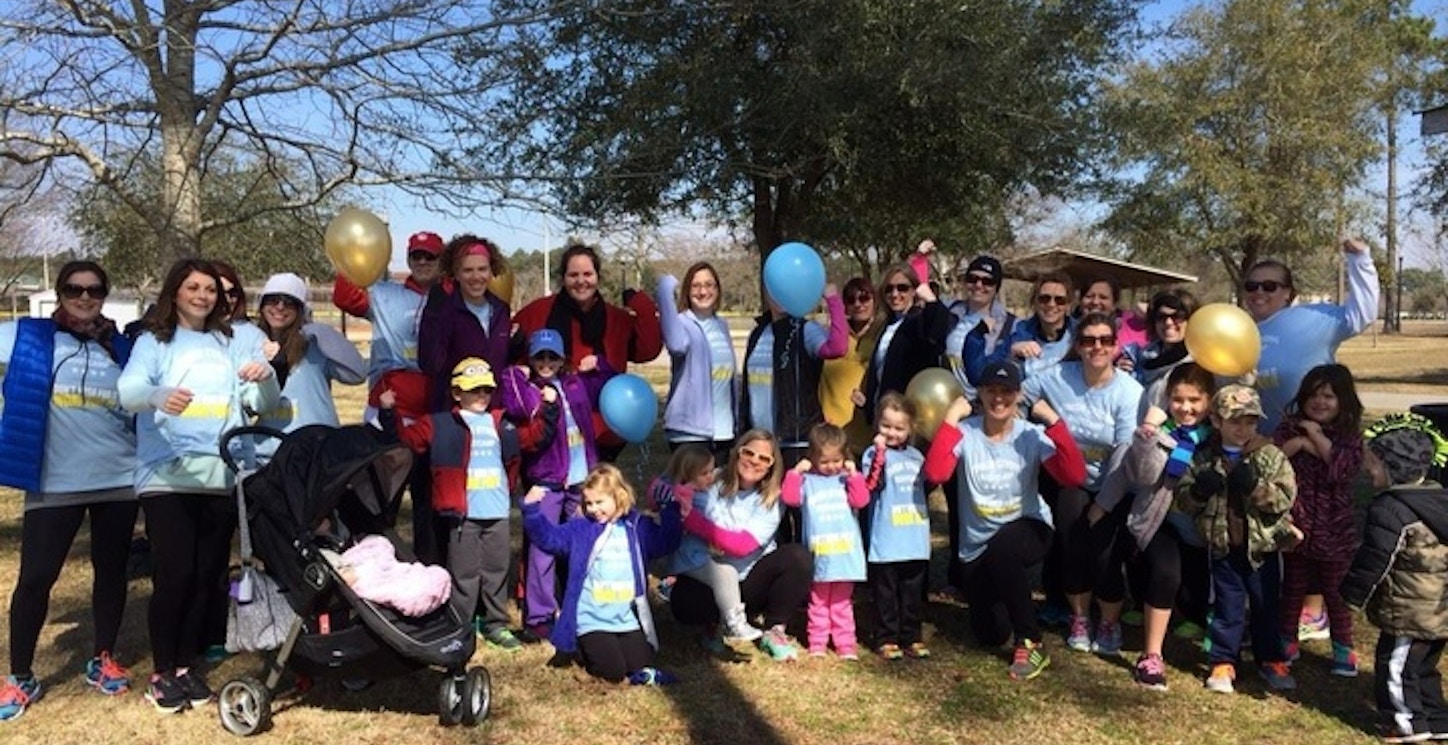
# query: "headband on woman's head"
(476, 249)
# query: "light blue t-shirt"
(487, 482)
(180, 452)
(759, 367)
(307, 396)
(90, 444)
(1099, 418)
(1301, 337)
(721, 378)
(999, 481)
(577, 453)
(742, 511)
(606, 603)
(899, 514)
(482, 312)
(831, 530)
(395, 312)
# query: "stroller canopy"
(319, 470)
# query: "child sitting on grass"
(605, 615)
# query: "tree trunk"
(174, 83)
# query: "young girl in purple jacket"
(605, 616)
(559, 466)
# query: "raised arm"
(1361, 307)
(676, 340)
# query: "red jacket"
(450, 450)
(630, 334)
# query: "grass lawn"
(961, 695)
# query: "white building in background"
(122, 310)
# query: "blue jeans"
(1243, 598)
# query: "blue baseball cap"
(545, 340)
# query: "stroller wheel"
(245, 706)
(478, 696)
(450, 701)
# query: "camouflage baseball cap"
(1236, 400)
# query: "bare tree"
(363, 92)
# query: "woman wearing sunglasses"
(981, 313)
(305, 357)
(909, 335)
(844, 375)
(1099, 403)
(65, 442)
(703, 378)
(462, 317)
(1164, 351)
(1036, 343)
(1297, 338)
(735, 521)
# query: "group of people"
(1088, 445)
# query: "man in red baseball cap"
(395, 309)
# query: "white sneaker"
(737, 626)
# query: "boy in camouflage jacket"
(1401, 574)
(1239, 491)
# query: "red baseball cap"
(425, 241)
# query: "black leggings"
(777, 587)
(997, 585)
(612, 656)
(46, 535)
(190, 549)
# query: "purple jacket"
(449, 333)
(547, 464)
(573, 540)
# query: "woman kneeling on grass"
(1005, 526)
(734, 522)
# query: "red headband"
(476, 249)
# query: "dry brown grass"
(960, 696)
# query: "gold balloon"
(931, 390)
(1223, 339)
(502, 283)
(359, 246)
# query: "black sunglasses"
(899, 287)
(421, 256)
(1045, 299)
(73, 292)
(858, 297)
(976, 279)
(279, 299)
(1269, 285)
(1096, 341)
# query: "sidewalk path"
(1383, 401)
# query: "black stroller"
(323, 489)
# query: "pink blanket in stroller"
(372, 570)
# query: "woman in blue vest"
(65, 442)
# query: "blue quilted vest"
(27, 400)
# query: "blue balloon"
(794, 276)
(629, 407)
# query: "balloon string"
(784, 359)
(639, 476)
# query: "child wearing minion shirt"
(1239, 491)
(474, 459)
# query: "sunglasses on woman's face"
(764, 459)
(286, 300)
(1087, 342)
(1264, 286)
(858, 297)
(899, 288)
(73, 292)
(976, 279)
(1045, 299)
